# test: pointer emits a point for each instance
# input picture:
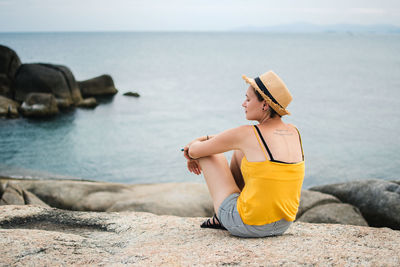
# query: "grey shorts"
(231, 220)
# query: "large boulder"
(36, 236)
(46, 78)
(72, 83)
(39, 105)
(31, 199)
(339, 213)
(181, 199)
(310, 199)
(378, 200)
(99, 86)
(12, 195)
(9, 63)
(8, 107)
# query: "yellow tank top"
(272, 189)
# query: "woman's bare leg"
(218, 177)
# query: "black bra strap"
(265, 144)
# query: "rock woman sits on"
(258, 194)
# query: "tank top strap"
(301, 144)
(259, 135)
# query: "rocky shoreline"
(68, 222)
(38, 90)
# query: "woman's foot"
(213, 223)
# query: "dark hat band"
(265, 90)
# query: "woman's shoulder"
(293, 127)
(240, 132)
(244, 128)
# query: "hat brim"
(280, 110)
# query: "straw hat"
(273, 90)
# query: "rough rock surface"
(341, 213)
(181, 199)
(39, 105)
(9, 63)
(31, 236)
(99, 86)
(378, 200)
(8, 107)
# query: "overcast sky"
(187, 15)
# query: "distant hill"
(309, 28)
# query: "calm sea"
(346, 90)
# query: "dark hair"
(272, 112)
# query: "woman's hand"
(194, 166)
(186, 148)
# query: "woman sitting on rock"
(259, 194)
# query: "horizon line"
(284, 28)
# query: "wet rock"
(339, 213)
(378, 200)
(47, 78)
(32, 235)
(99, 86)
(310, 199)
(88, 103)
(134, 94)
(8, 108)
(39, 105)
(9, 63)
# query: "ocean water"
(346, 90)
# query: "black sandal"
(216, 224)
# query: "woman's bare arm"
(228, 140)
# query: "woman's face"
(252, 106)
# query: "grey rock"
(180, 199)
(88, 103)
(71, 82)
(378, 200)
(339, 213)
(31, 235)
(12, 195)
(39, 105)
(31, 199)
(396, 182)
(310, 199)
(9, 64)
(47, 78)
(8, 108)
(99, 86)
(134, 94)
